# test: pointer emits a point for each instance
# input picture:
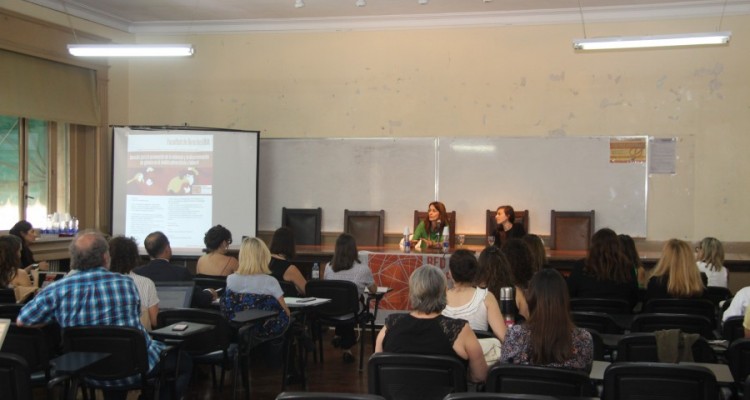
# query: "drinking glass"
(491, 240)
(461, 239)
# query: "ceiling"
(195, 16)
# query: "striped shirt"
(91, 297)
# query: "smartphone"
(180, 327)
(306, 300)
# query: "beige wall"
(504, 81)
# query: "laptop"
(4, 326)
(174, 294)
(47, 277)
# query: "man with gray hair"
(96, 296)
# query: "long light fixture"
(131, 50)
(636, 42)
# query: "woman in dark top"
(25, 232)
(606, 272)
(282, 250)
(676, 274)
(507, 228)
(425, 331)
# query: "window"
(34, 178)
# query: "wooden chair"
(571, 230)
(420, 216)
(305, 223)
(367, 227)
(522, 217)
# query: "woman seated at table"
(477, 306)
(711, 261)
(253, 287)
(507, 227)
(548, 337)
(494, 271)
(676, 274)
(216, 262)
(346, 266)
(605, 272)
(24, 231)
(430, 230)
(123, 254)
(282, 250)
(12, 275)
(426, 331)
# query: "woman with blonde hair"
(710, 255)
(252, 287)
(675, 275)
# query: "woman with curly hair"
(123, 254)
(216, 262)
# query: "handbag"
(491, 348)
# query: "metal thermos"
(508, 304)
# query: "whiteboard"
(539, 175)
(470, 175)
(396, 175)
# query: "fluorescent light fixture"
(131, 50)
(636, 42)
(360, 3)
(299, 3)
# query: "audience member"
(520, 260)
(538, 252)
(634, 259)
(494, 271)
(97, 296)
(253, 287)
(605, 272)
(746, 323)
(24, 231)
(676, 274)
(739, 304)
(507, 227)
(346, 266)
(12, 275)
(710, 255)
(548, 337)
(464, 301)
(160, 269)
(216, 262)
(283, 250)
(430, 230)
(124, 256)
(426, 331)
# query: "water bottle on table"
(446, 240)
(316, 271)
(407, 243)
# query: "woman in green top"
(431, 229)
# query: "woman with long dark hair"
(507, 228)
(24, 231)
(548, 337)
(430, 230)
(283, 250)
(12, 275)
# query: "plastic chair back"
(14, 377)
(659, 381)
(414, 376)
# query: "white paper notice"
(662, 156)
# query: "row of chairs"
(569, 230)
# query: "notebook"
(174, 294)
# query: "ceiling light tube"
(131, 50)
(637, 42)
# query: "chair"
(599, 348)
(420, 216)
(732, 329)
(738, 358)
(345, 308)
(532, 379)
(367, 227)
(126, 347)
(14, 377)
(210, 282)
(608, 306)
(304, 222)
(326, 395)
(659, 381)
(600, 322)
(651, 322)
(10, 311)
(212, 347)
(682, 306)
(510, 396)
(414, 376)
(7, 296)
(571, 230)
(717, 294)
(522, 217)
(30, 344)
(642, 347)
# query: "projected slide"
(168, 180)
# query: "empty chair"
(738, 358)
(521, 217)
(659, 381)
(531, 379)
(414, 376)
(600, 322)
(642, 347)
(682, 306)
(14, 377)
(732, 329)
(326, 396)
(367, 227)
(304, 222)
(571, 230)
(651, 322)
(32, 345)
(609, 306)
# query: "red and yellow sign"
(627, 150)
